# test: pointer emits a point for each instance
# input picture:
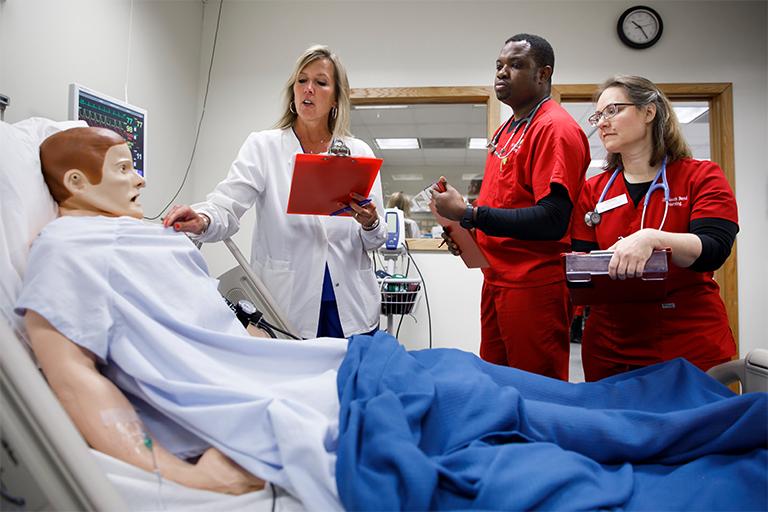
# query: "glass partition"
(421, 142)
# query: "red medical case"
(588, 281)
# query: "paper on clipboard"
(471, 253)
(321, 182)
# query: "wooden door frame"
(719, 96)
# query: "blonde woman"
(654, 196)
(316, 267)
(403, 202)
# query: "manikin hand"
(221, 474)
(185, 219)
(449, 204)
(630, 254)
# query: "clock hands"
(641, 28)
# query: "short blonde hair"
(667, 137)
(338, 125)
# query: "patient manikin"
(89, 171)
(155, 370)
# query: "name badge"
(610, 204)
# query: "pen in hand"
(349, 208)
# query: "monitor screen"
(128, 121)
(391, 222)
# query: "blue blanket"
(442, 429)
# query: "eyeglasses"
(608, 112)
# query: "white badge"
(610, 204)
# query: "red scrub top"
(691, 321)
(554, 150)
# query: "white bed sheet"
(141, 492)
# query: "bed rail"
(253, 287)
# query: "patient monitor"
(395, 222)
(129, 121)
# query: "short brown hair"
(667, 138)
(77, 148)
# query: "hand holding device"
(423, 199)
(447, 200)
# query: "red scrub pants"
(527, 328)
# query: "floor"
(576, 372)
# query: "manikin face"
(314, 91)
(118, 192)
(516, 74)
(630, 127)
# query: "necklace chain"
(321, 142)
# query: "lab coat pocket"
(278, 278)
(367, 296)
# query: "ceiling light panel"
(398, 143)
(478, 143)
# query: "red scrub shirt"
(691, 321)
(554, 149)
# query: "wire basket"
(399, 295)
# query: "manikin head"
(89, 171)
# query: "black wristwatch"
(468, 219)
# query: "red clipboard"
(471, 253)
(321, 182)
(588, 281)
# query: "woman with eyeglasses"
(653, 195)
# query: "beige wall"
(47, 44)
(456, 43)
(383, 43)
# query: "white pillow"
(25, 203)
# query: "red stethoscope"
(593, 217)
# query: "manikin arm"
(107, 420)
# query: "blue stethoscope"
(592, 218)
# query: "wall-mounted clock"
(640, 27)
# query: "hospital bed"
(44, 459)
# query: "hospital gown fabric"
(441, 429)
(139, 297)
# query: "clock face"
(640, 27)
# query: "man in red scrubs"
(533, 175)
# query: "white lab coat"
(289, 252)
